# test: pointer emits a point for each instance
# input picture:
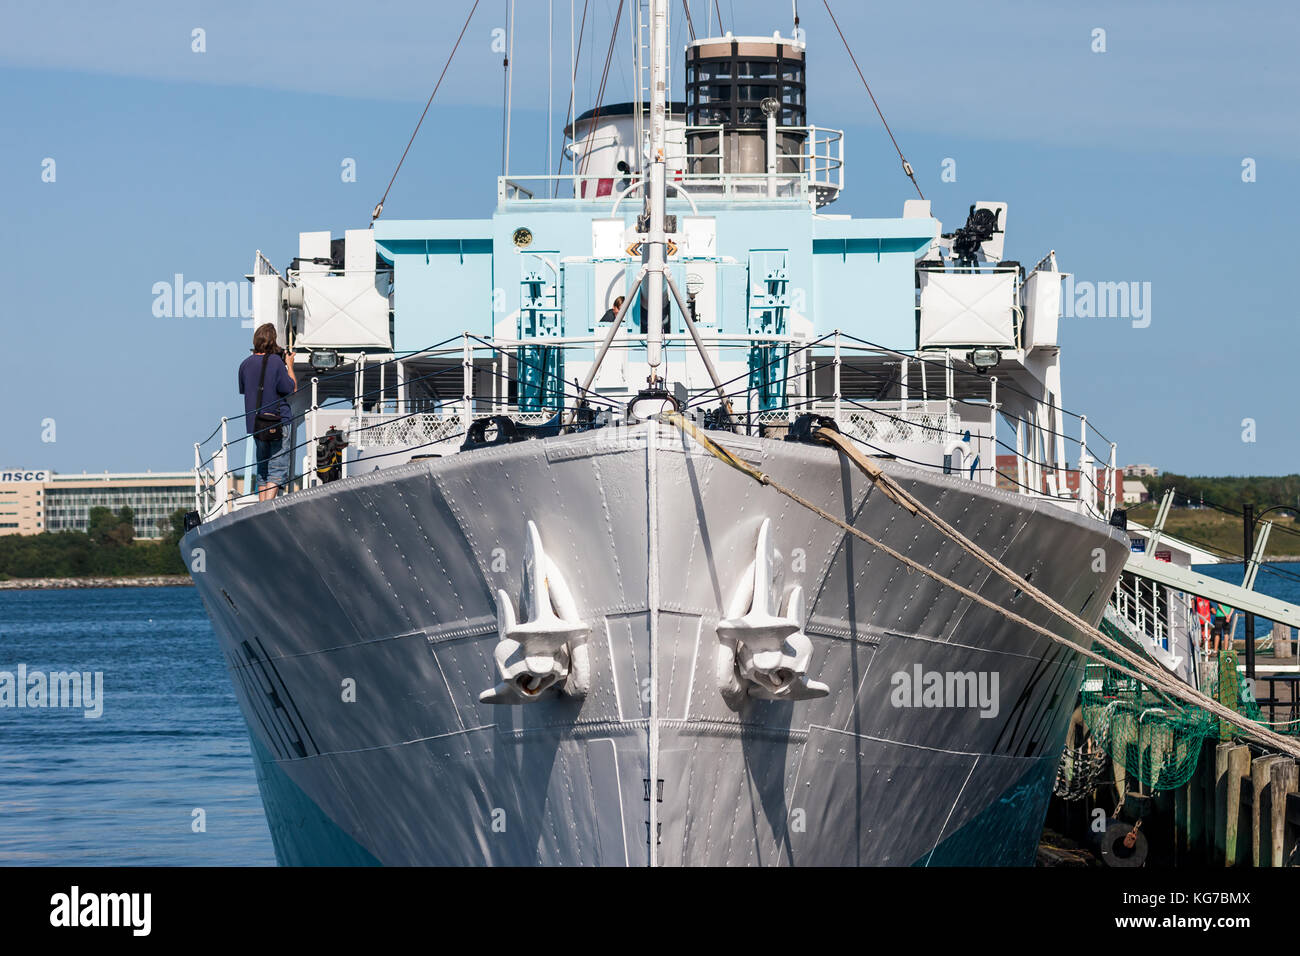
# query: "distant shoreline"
(57, 584)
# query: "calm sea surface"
(1281, 580)
(122, 789)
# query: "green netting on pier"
(1227, 686)
(1157, 740)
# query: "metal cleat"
(547, 650)
(760, 654)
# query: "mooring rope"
(1140, 670)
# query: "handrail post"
(839, 156)
(1058, 442)
(1034, 443)
(309, 473)
(1110, 482)
(223, 482)
(467, 364)
(198, 465)
(837, 377)
(1085, 461)
(359, 387)
(812, 155)
(1022, 477)
(949, 386)
(993, 426)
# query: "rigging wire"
(604, 78)
(550, 74)
(1224, 552)
(1231, 555)
(690, 24)
(575, 59)
(505, 94)
(907, 167)
(510, 86)
(1235, 513)
(972, 375)
(380, 207)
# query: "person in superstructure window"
(612, 313)
(268, 420)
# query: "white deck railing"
(818, 179)
(956, 421)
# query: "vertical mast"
(654, 199)
(640, 36)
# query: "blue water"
(1275, 579)
(121, 789)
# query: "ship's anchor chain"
(1078, 772)
(761, 653)
(548, 649)
(1083, 761)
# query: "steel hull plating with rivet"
(877, 719)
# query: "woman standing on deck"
(265, 379)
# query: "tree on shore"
(111, 530)
(1230, 492)
(107, 548)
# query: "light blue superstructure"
(838, 272)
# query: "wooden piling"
(1261, 809)
(1232, 811)
(1123, 727)
(1284, 786)
(1231, 769)
(1227, 693)
(1182, 827)
(1196, 809)
(1208, 794)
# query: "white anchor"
(759, 653)
(547, 650)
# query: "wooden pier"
(1240, 806)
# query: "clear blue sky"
(1127, 162)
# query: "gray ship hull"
(358, 621)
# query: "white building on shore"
(36, 500)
